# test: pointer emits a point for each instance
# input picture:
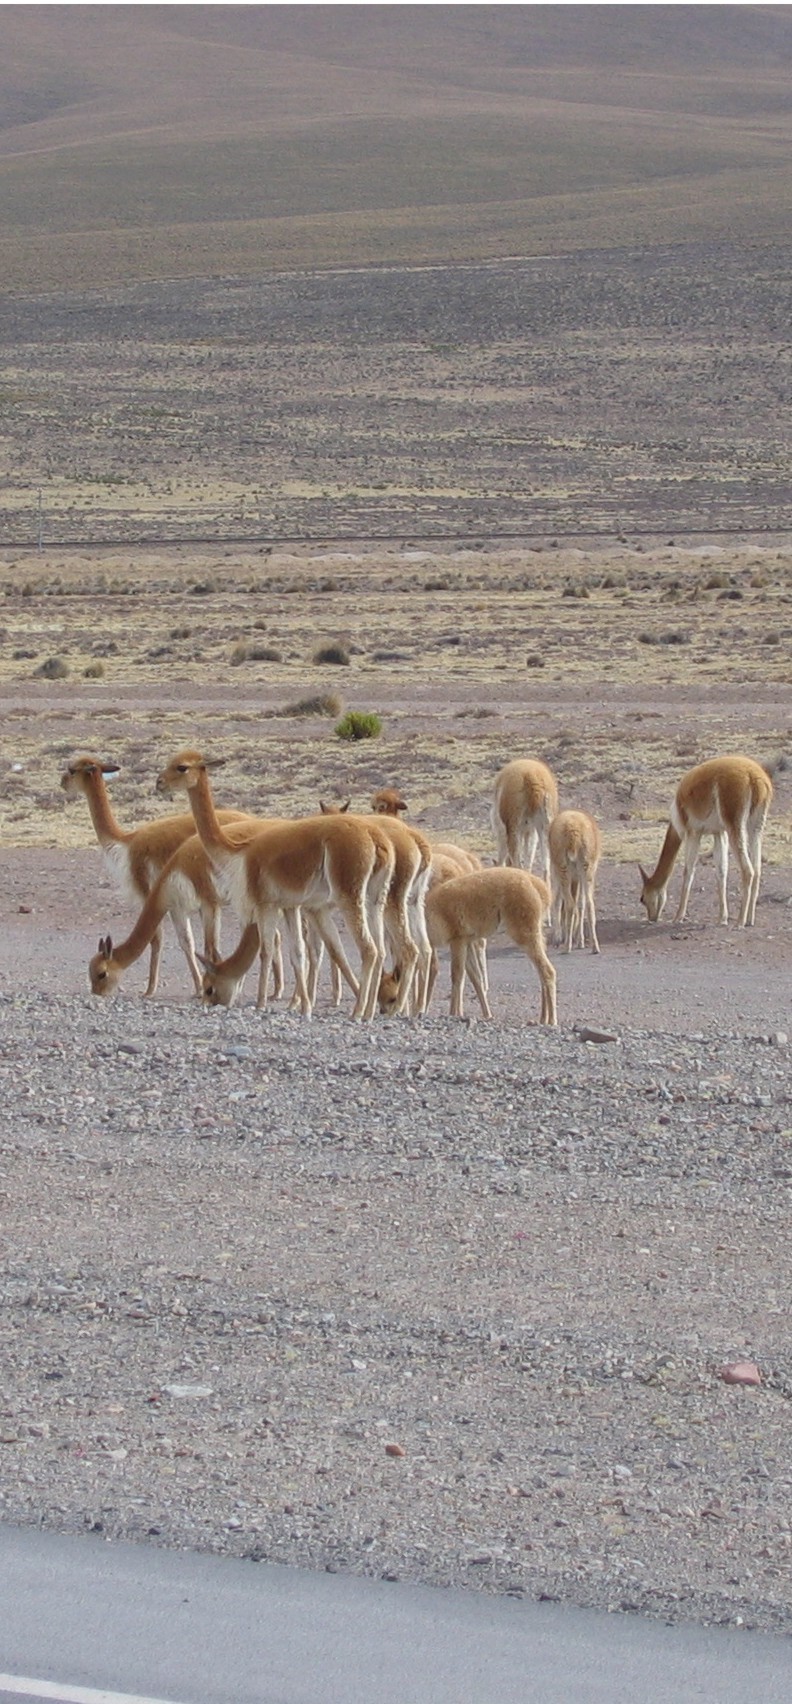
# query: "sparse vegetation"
(94, 671)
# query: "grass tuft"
(359, 725)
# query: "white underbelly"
(118, 866)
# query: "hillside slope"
(158, 141)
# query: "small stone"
(26, 910)
(741, 1373)
(394, 1450)
(584, 1033)
(620, 1472)
(779, 1039)
(186, 1390)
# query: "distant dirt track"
(310, 540)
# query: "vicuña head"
(217, 987)
(389, 991)
(387, 801)
(184, 770)
(84, 772)
(103, 972)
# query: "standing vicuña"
(575, 851)
(404, 908)
(136, 857)
(472, 908)
(315, 864)
(525, 802)
(185, 884)
(729, 798)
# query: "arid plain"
(427, 1300)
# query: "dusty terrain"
(620, 392)
(244, 1255)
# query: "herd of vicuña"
(400, 895)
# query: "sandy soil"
(520, 1257)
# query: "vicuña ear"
(208, 964)
(325, 809)
(105, 946)
(215, 762)
(645, 877)
(343, 808)
(396, 973)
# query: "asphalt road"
(87, 1622)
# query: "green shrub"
(359, 725)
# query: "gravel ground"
(428, 1301)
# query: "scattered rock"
(584, 1033)
(394, 1450)
(741, 1373)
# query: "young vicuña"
(525, 802)
(475, 907)
(575, 846)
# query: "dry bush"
(318, 704)
(54, 668)
(672, 636)
(94, 671)
(336, 653)
(249, 651)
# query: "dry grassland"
(621, 668)
(623, 392)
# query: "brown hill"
(150, 141)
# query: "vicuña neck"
(667, 859)
(144, 930)
(107, 830)
(207, 821)
(239, 961)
